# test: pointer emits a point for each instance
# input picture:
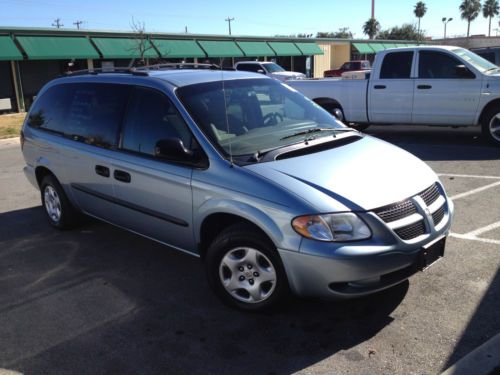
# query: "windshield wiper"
(490, 69)
(316, 130)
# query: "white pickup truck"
(426, 85)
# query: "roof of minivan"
(184, 77)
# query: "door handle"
(424, 87)
(101, 170)
(122, 176)
(379, 87)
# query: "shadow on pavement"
(102, 300)
(440, 143)
(483, 325)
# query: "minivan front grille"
(411, 231)
(438, 215)
(430, 195)
(396, 211)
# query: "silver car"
(268, 189)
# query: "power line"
(58, 23)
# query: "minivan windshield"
(255, 115)
(476, 61)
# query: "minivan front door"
(154, 195)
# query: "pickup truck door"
(390, 95)
(446, 92)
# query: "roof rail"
(132, 71)
(182, 66)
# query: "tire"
(360, 127)
(60, 212)
(245, 270)
(335, 111)
(490, 126)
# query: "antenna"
(57, 23)
(225, 111)
(228, 20)
(77, 24)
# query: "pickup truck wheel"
(359, 127)
(335, 111)
(245, 270)
(491, 126)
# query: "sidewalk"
(9, 141)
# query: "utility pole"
(185, 29)
(58, 23)
(228, 20)
(77, 23)
(373, 8)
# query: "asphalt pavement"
(100, 300)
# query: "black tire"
(69, 216)
(245, 236)
(489, 121)
(360, 127)
(335, 110)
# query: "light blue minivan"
(268, 189)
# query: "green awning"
(255, 49)
(123, 48)
(389, 45)
(221, 48)
(377, 47)
(57, 47)
(309, 49)
(285, 49)
(363, 48)
(8, 50)
(178, 48)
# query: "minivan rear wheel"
(245, 270)
(59, 210)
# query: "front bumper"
(329, 270)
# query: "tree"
(142, 41)
(371, 28)
(404, 32)
(420, 10)
(342, 33)
(490, 10)
(469, 10)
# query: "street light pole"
(445, 22)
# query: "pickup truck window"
(438, 65)
(249, 67)
(396, 65)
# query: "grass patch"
(10, 125)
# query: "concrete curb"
(9, 141)
(481, 361)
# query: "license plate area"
(430, 254)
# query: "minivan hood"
(363, 175)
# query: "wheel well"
(41, 172)
(487, 107)
(327, 103)
(216, 223)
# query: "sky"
(255, 17)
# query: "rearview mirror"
(261, 71)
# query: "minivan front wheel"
(245, 270)
(59, 210)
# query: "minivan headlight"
(332, 227)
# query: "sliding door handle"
(424, 87)
(101, 170)
(122, 176)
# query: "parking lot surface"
(100, 300)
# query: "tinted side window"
(437, 65)
(95, 113)
(396, 65)
(152, 117)
(50, 109)
(249, 67)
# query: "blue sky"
(256, 17)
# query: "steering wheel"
(272, 119)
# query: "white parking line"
(487, 228)
(472, 238)
(474, 191)
(468, 176)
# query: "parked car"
(492, 54)
(268, 189)
(348, 66)
(426, 85)
(270, 69)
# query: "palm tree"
(371, 28)
(420, 10)
(490, 10)
(469, 10)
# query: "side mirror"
(172, 149)
(261, 71)
(464, 72)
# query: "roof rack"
(182, 66)
(132, 71)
